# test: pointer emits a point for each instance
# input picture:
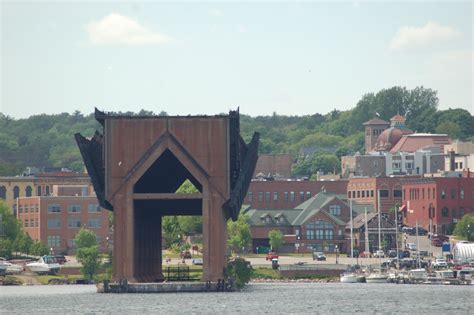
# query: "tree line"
(47, 140)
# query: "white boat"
(352, 278)
(376, 277)
(45, 265)
(13, 268)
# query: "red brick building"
(366, 189)
(56, 219)
(282, 194)
(444, 200)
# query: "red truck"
(271, 255)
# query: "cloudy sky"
(207, 58)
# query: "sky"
(292, 58)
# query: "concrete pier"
(164, 287)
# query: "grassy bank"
(271, 274)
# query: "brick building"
(56, 219)
(444, 200)
(366, 189)
(12, 187)
(288, 194)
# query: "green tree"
(87, 252)
(24, 243)
(8, 223)
(461, 229)
(239, 233)
(39, 249)
(452, 129)
(171, 230)
(276, 239)
(6, 248)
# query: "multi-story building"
(12, 187)
(436, 203)
(281, 194)
(373, 129)
(56, 219)
(367, 189)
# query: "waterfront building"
(276, 166)
(436, 203)
(57, 218)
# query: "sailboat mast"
(366, 232)
(352, 235)
(378, 214)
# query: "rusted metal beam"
(166, 196)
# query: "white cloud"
(432, 34)
(216, 12)
(119, 29)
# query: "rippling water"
(295, 298)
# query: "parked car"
(440, 262)
(319, 256)
(404, 254)
(355, 253)
(379, 253)
(197, 261)
(411, 246)
(392, 253)
(271, 255)
(436, 242)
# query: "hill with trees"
(47, 140)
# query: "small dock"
(164, 287)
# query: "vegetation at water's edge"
(338, 133)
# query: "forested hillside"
(47, 140)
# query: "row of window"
(384, 193)
(320, 230)
(28, 191)
(55, 241)
(454, 212)
(275, 196)
(91, 208)
(419, 193)
(28, 208)
(73, 223)
(31, 223)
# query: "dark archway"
(16, 192)
(3, 192)
(28, 191)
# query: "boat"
(45, 265)
(351, 277)
(376, 277)
(13, 268)
(417, 275)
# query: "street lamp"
(337, 254)
(468, 232)
(51, 251)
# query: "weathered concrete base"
(164, 287)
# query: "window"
(27, 208)
(93, 207)
(250, 196)
(335, 210)
(383, 193)
(93, 223)
(349, 194)
(285, 196)
(397, 193)
(39, 191)
(358, 194)
(32, 223)
(54, 208)
(461, 193)
(275, 196)
(20, 209)
(408, 165)
(28, 191)
(461, 212)
(73, 223)
(308, 194)
(54, 241)
(54, 223)
(445, 212)
(353, 194)
(396, 165)
(74, 208)
(267, 196)
(37, 223)
(319, 230)
(3, 192)
(292, 196)
(47, 190)
(363, 193)
(301, 196)
(26, 223)
(16, 192)
(453, 193)
(443, 194)
(260, 196)
(372, 193)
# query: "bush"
(239, 271)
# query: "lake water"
(294, 298)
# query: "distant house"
(276, 166)
(317, 224)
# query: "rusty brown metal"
(145, 159)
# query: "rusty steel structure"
(136, 165)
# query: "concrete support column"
(123, 238)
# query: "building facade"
(280, 194)
(373, 129)
(274, 165)
(56, 219)
(437, 203)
